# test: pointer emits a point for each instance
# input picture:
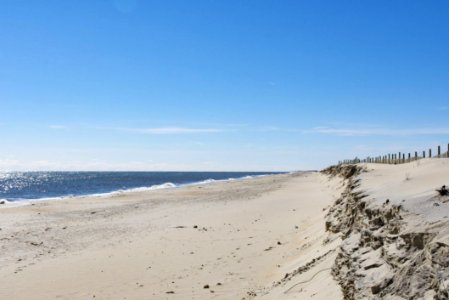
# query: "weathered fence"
(398, 158)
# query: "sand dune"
(395, 231)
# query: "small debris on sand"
(443, 191)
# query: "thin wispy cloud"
(172, 130)
(377, 131)
(56, 126)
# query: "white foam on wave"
(205, 181)
(21, 202)
(165, 185)
(6, 203)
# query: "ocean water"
(22, 186)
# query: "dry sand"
(227, 240)
(395, 230)
(369, 231)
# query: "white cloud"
(57, 127)
(377, 131)
(172, 130)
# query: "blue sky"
(219, 85)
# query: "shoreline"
(7, 203)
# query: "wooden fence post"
(396, 158)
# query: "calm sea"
(19, 186)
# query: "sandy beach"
(225, 240)
(366, 231)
